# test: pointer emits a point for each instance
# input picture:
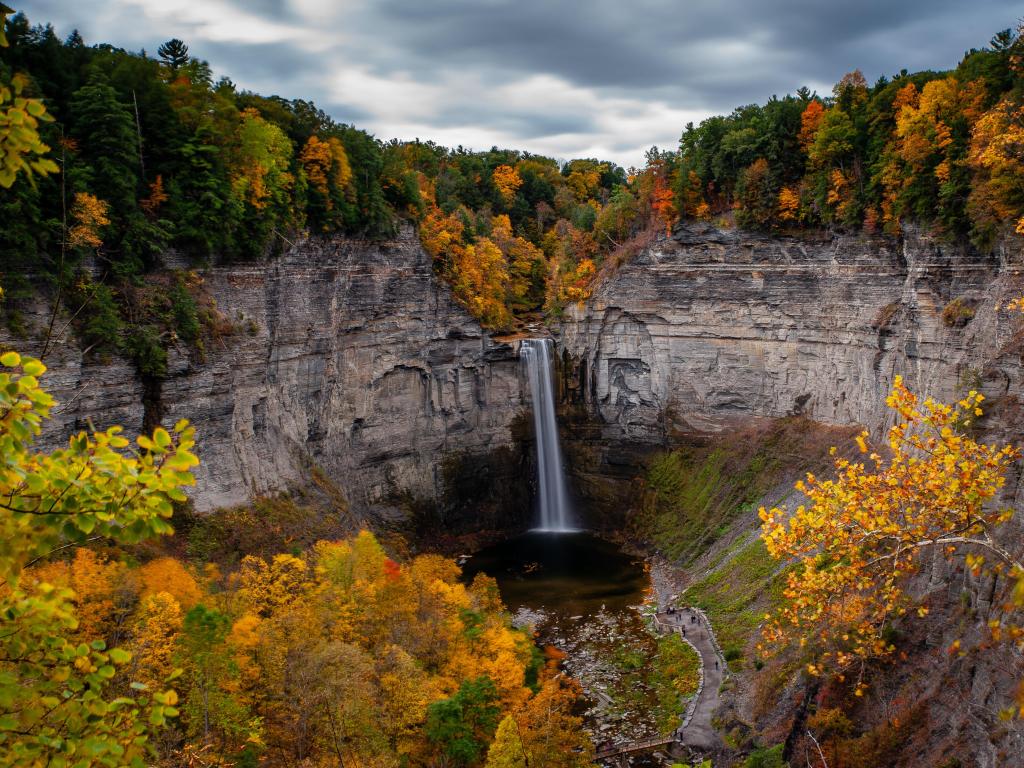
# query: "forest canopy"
(155, 153)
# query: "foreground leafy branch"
(879, 522)
(57, 706)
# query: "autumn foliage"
(65, 697)
(861, 536)
(516, 233)
(940, 149)
(334, 657)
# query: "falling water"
(554, 503)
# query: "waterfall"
(555, 514)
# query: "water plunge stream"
(555, 514)
(579, 593)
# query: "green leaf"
(161, 437)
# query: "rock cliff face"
(712, 331)
(349, 356)
(710, 328)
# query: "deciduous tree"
(862, 534)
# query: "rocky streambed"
(591, 600)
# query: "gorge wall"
(349, 356)
(716, 331)
(352, 357)
(710, 328)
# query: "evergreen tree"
(173, 53)
(463, 724)
(204, 213)
(108, 166)
(105, 133)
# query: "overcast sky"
(604, 78)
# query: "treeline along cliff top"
(155, 153)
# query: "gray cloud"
(560, 78)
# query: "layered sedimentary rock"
(711, 330)
(708, 328)
(347, 356)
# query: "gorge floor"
(592, 602)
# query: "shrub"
(143, 345)
(957, 314)
(766, 758)
(100, 322)
(184, 311)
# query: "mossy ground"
(736, 594)
(694, 493)
(657, 680)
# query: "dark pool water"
(566, 574)
(584, 596)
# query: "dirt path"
(696, 730)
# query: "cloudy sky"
(605, 78)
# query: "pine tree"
(173, 53)
(105, 131)
(200, 203)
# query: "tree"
(173, 53)
(756, 196)
(481, 282)
(209, 667)
(997, 196)
(89, 215)
(261, 177)
(463, 725)
(108, 168)
(55, 700)
(810, 121)
(205, 214)
(157, 625)
(329, 175)
(169, 575)
(507, 181)
(506, 751)
(789, 204)
(864, 533)
(551, 734)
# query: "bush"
(185, 311)
(766, 758)
(100, 325)
(957, 313)
(143, 345)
